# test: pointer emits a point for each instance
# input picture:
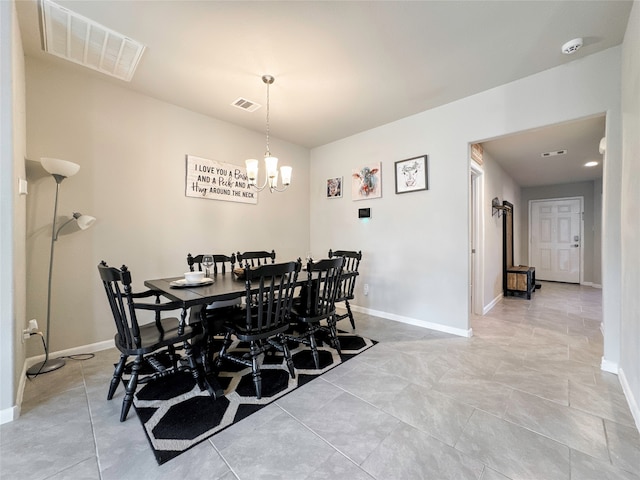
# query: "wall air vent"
(246, 105)
(553, 154)
(73, 37)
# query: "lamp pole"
(50, 365)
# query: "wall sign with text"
(218, 181)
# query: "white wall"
(597, 232)
(131, 150)
(497, 183)
(630, 216)
(415, 246)
(12, 212)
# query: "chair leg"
(131, 388)
(314, 349)
(173, 358)
(333, 332)
(351, 319)
(117, 376)
(255, 368)
(287, 355)
(193, 365)
(226, 343)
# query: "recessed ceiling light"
(591, 164)
(572, 46)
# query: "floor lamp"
(59, 169)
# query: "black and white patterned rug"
(177, 415)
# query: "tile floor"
(524, 398)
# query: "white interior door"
(555, 241)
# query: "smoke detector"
(572, 46)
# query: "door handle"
(575, 245)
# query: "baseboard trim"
(414, 321)
(609, 366)
(492, 304)
(91, 348)
(9, 414)
(12, 413)
(631, 400)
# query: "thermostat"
(364, 213)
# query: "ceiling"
(520, 155)
(345, 67)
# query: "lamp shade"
(85, 221)
(55, 166)
(285, 170)
(271, 164)
(252, 169)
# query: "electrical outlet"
(366, 289)
(30, 330)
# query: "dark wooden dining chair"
(265, 318)
(350, 272)
(143, 342)
(212, 324)
(220, 262)
(316, 304)
(256, 258)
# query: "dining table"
(195, 297)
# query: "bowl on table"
(193, 277)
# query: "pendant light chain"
(268, 81)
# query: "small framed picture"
(411, 175)
(366, 182)
(334, 187)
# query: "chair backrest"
(350, 271)
(322, 288)
(117, 284)
(257, 257)
(270, 306)
(219, 262)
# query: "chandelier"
(270, 162)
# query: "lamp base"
(46, 367)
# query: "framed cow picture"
(411, 175)
(366, 182)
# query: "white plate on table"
(182, 283)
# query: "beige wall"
(131, 150)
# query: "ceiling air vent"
(247, 105)
(80, 40)
(553, 154)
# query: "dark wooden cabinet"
(521, 279)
